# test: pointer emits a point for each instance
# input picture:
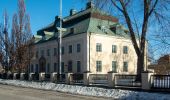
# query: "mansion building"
(93, 41)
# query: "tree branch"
(153, 7)
(129, 24)
(114, 3)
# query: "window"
(55, 67)
(103, 29)
(42, 52)
(62, 67)
(71, 30)
(70, 65)
(78, 66)
(55, 51)
(99, 47)
(98, 66)
(36, 54)
(125, 66)
(70, 49)
(78, 48)
(113, 29)
(114, 66)
(48, 52)
(62, 50)
(48, 68)
(114, 48)
(125, 49)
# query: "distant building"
(94, 41)
(163, 65)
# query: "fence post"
(86, 78)
(8, 74)
(41, 76)
(68, 78)
(14, 75)
(22, 76)
(53, 77)
(30, 76)
(111, 79)
(146, 80)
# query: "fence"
(10, 76)
(35, 77)
(76, 78)
(160, 81)
(149, 80)
(47, 77)
(4, 75)
(61, 78)
(17, 76)
(26, 76)
(126, 80)
(100, 79)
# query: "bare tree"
(138, 15)
(16, 48)
(4, 41)
(21, 38)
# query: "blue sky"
(42, 12)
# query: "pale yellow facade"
(106, 56)
(88, 54)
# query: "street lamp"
(60, 36)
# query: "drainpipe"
(89, 49)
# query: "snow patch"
(90, 91)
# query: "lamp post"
(60, 34)
(60, 37)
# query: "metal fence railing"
(47, 77)
(76, 78)
(127, 80)
(98, 79)
(35, 77)
(26, 76)
(160, 81)
(61, 78)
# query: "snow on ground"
(90, 91)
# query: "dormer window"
(103, 29)
(72, 12)
(71, 30)
(43, 37)
(113, 29)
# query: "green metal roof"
(83, 22)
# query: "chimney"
(72, 12)
(89, 4)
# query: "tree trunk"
(140, 67)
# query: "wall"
(106, 56)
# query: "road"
(18, 93)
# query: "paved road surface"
(17, 93)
